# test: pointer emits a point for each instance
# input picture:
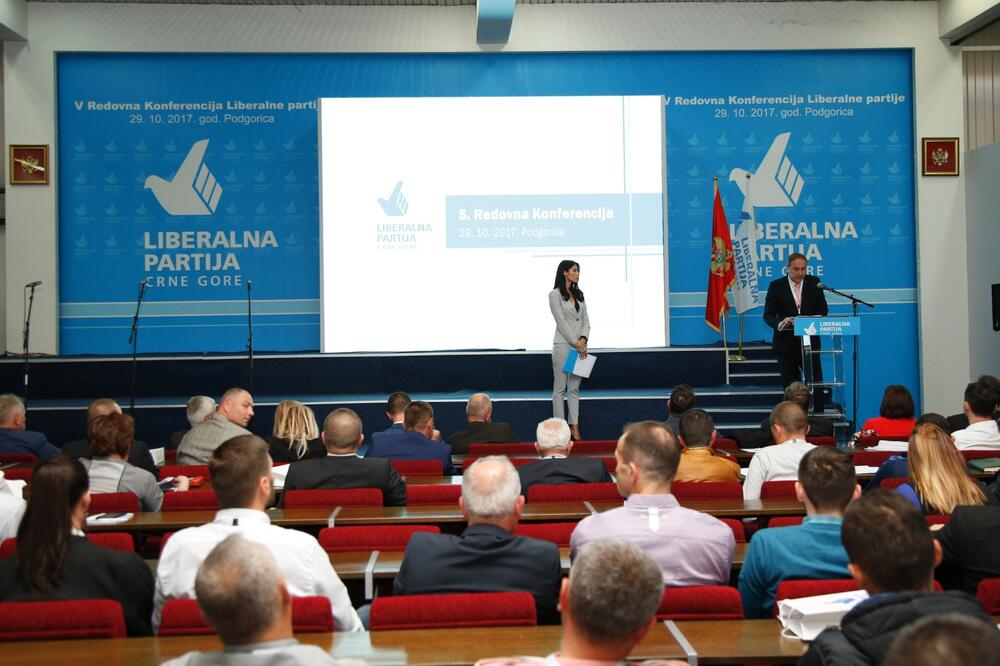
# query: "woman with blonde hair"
(938, 479)
(296, 435)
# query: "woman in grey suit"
(572, 331)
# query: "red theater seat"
(572, 492)
(989, 595)
(873, 458)
(737, 527)
(519, 449)
(112, 502)
(424, 495)
(120, 541)
(324, 499)
(589, 446)
(418, 467)
(784, 521)
(777, 490)
(190, 500)
(683, 490)
(365, 538)
(19, 474)
(557, 533)
(17, 458)
(49, 620)
(820, 440)
(439, 611)
(726, 444)
(704, 602)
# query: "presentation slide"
(443, 220)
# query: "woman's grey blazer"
(570, 324)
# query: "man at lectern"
(798, 295)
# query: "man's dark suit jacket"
(479, 432)
(348, 472)
(410, 445)
(562, 470)
(970, 544)
(485, 558)
(27, 441)
(138, 456)
(92, 572)
(780, 303)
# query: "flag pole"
(725, 340)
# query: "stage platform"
(627, 385)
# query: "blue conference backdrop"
(829, 132)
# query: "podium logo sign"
(828, 326)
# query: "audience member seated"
(937, 471)
(395, 411)
(342, 468)
(897, 467)
(970, 547)
(961, 420)
(948, 639)
(698, 463)
(797, 392)
(486, 557)
(55, 560)
(11, 509)
(608, 605)
(242, 595)
(480, 428)
(14, 438)
(681, 399)
(138, 455)
(416, 442)
(552, 441)
(892, 556)
(241, 476)
(895, 415)
(691, 548)
(229, 420)
(200, 408)
(110, 438)
(826, 485)
(789, 427)
(296, 435)
(979, 404)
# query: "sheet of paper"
(279, 473)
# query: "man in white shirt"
(980, 403)
(11, 509)
(241, 594)
(241, 476)
(789, 426)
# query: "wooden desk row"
(715, 642)
(440, 515)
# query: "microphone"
(144, 282)
(823, 286)
(249, 283)
(32, 285)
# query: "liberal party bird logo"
(396, 205)
(776, 183)
(193, 190)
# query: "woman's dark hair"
(897, 403)
(560, 284)
(44, 537)
(111, 434)
(932, 417)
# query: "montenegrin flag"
(721, 272)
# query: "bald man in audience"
(229, 420)
(244, 484)
(14, 438)
(691, 548)
(480, 428)
(243, 596)
(608, 605)
(487, 556)
(342, 468)
(139, 455)
(552, 441)
(789, 426)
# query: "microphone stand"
(857, 342)
(250, 333)
(27, 335)
(134, 341)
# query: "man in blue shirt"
(14, 438)
(812, 550)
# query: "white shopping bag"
(808, 616)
